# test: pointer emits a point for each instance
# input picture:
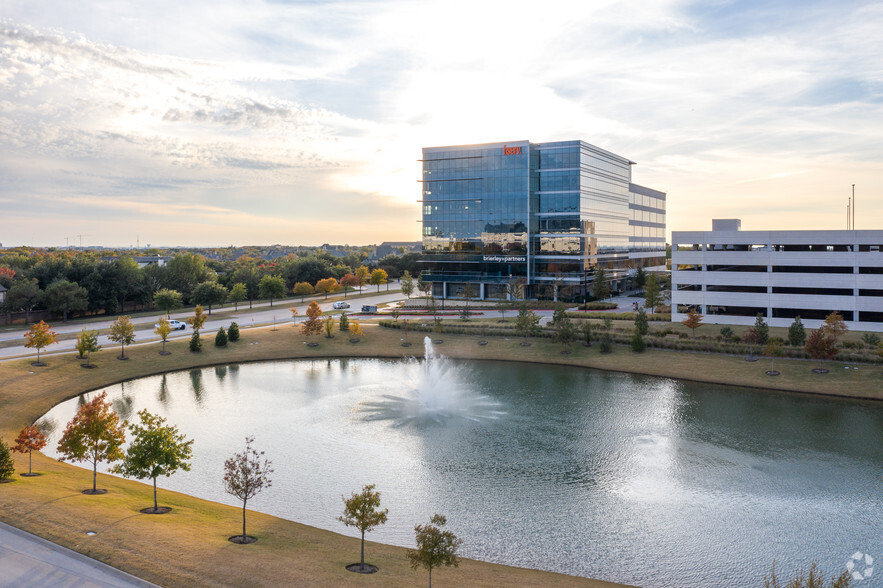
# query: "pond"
(632, 479)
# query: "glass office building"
(542, 216)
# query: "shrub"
(727, 333)
(606, 343)
(7, 468)
(221, 338)
(195, 343)
(637, 343)
(233, 333)
(599, 306)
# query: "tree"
(325, 286)
(198, 319)
(362, 275)
(238, 293)
(122, 331)
(344, 323)
(62, 297)
(751, 338)
(821, 345)
(565, 331)
(348, 281)
(356, 330)
(328, 323)
(30, 439)
(94, 434)
(424, 287)
(637, 342)
(272, 287)
(362, 511)
(186, 271)
(435, 548)
(233, 332)
(221, 338)
(640, 277)
(872, 340)
(166, 301)
(527, 322)
(407, 282)
(587, 333)
(606, 343)
(378, 277)
(600, 287)
(24, 295)
(195, 342)
(762, 329)
(208, 294)
(163, 330)
(87, 344)
(652, 293)
(796, 333)
(642, 327)
(834, 325)
(313, 324)
(7, 466)
(726, 333)
(773, 350)
(245, 475)
(693, 320)
(38, 337)
(156, 450)
(302, 289)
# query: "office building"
(543, 216)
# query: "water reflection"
(196, 385)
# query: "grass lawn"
(189, 546)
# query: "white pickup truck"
(175, 324)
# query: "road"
(260, 314)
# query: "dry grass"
(189, 546)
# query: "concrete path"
(28, 560)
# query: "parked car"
(339, 305)
(175, 324)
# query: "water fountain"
(440, 393)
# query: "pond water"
(632, 479)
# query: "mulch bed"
(820, 370)
(358, 569)
(31, 475)
(772, 373)
(157, 510)
(95, 492)
(238, 539)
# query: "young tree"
(313, 324)
(245, 475)
(208, 294)
(30, 439)
(302, 289)
(233, 332)
(221, 338)
(362, 511)
(424, 287)
(527, 322)
(600, 287)
(7, 466)
(272, 287)
(642, 327)
(328, 323)
(834, 325)
(773, 350)
(751, 338)
(796, 333)
(565, 331)
(195, 342)
(356, 330)
(238, 293)
(163, 330)
(344, 323)
(606, 343)
(872, 340)
(435, 548)
(821, 345)
(640, 277)
(378, 277)
(726, 333)
(407, 283)
(94, 434)
(693, 320)
(762, 329)
(166, 301)
(652, 293)
(39, 337)
(122, 331)
(586, 330)
(87, 343)
(62, 296)
(198, 319)
(348, 281)
(637, 342)
(156, 450)
(24, 295)
(327, 285)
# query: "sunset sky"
(261, 122)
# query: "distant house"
(2, 293)
(395, 248)
(143, 260)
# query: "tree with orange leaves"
(38, 337)
(30, 439)
(94, 434)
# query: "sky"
(258, 122)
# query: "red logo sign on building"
(511, 150)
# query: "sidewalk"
(28, 560)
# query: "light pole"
(853, 207)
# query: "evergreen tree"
(642, 327)
(344, 323)
(195, 343)
(7, 467)
(600, 287)
(221, 338)
(637, 342)
(652, 293)
(233, 332)
(606, 343)
(762, 329)
(796, 333)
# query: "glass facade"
(534, 214)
